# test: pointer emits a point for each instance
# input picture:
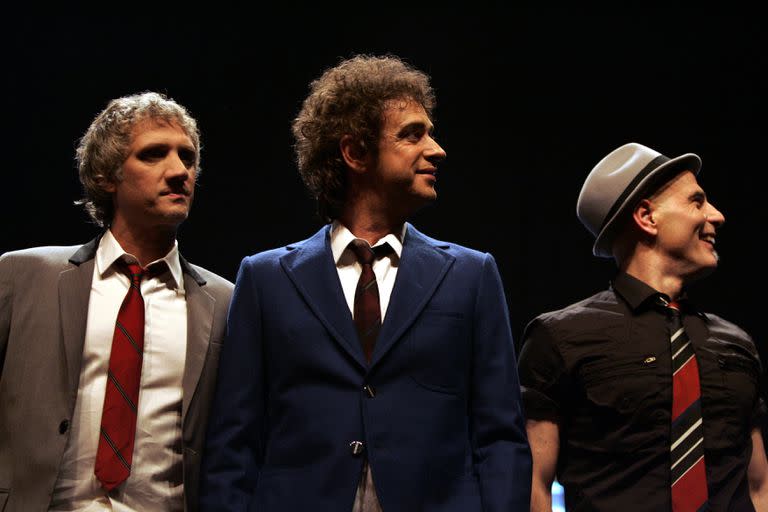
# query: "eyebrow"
(416, 125)
(698, 195)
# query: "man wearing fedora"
(635, 399)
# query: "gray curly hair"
(104, 147)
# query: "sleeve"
(541, 373)
(234, 448)
(6, 301)
(759, 412)
(502, 455)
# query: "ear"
(354, 153)
(643, 217)
(106, 185)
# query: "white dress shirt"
(349, 268)
(155, 482)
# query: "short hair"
(104, 147)
(350, 99)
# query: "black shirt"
(601, 369)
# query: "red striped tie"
(118, 420)
(689, 478)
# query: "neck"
(146, 245)
(656, 275)
(370, 225)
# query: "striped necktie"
(118, 420)
(689, 478)
(367, 308)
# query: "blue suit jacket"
(444, 430)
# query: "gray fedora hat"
(618, 182)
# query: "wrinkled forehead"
(149, 123)
(403, 111)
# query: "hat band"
(645, 171)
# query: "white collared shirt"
(155, 482)
(349, 268)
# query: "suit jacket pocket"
(439, 351)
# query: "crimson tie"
(689, 478)
(118, 420)
(367, 308)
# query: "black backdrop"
(528, 101)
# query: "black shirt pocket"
(622, 399)
(739, 375)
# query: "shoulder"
(723, 331)
(36, 260)
(589, 314)
(50, 255)
(214, 283)
(458, 251)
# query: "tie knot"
(135, 272)
(367, 254)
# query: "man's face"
(158, 180)
(686, 224)
(406, 169)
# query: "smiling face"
(686, 223)
(158, 178)
(406, 163)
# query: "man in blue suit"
(321, 405)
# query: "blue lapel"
(309, 264)
(423, 264)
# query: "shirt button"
(63, 426)
(369, 390)
(356, 447)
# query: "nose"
(177, 168)
(434, 152)
(714, 216)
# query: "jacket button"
(369, 390)
(356, 447)
(63, 426)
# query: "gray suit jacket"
(44, 294)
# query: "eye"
(152, 153)
(188, 156)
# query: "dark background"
(529, 100)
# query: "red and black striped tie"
(689, 478)
(367, 309)
(118, 420)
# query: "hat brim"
(653, 180)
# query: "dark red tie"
(118, 420)
(689, 476)
(367, 308)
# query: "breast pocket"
(739, 375)
(623, 399)
(439, 351)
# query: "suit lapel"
(200, 311)
(74, 295)
(311, 268)
(422, 267)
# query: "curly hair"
(350, 99)
(104, 147)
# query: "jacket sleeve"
(234, 447)
(6, 301)
(502, 455)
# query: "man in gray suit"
(106, 373)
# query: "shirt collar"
(110, 251)
(341, 236)
(639, 295)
